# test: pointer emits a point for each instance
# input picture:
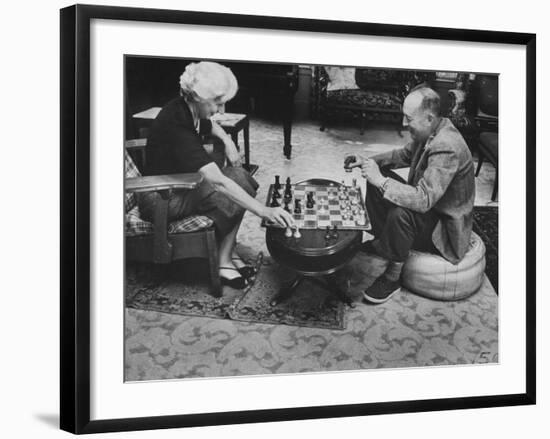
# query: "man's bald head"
(424, 99)
(421, 112)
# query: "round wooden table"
(313, 256)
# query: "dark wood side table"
(232, 123)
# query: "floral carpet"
(407, 331)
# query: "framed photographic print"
(275, 218)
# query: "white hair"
(208, 81)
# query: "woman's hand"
(232, 154)
(218, 131)
(231, 151)
(278, 215)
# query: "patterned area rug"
(486, 226)
(310, 306)
(178, 292)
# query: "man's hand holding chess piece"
(369, 169)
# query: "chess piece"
(297, 206)
(297, 233)
(348, 161)
(274, 202)
(361, 218)
(287, 208)
(288, 192)
(288, 232)
(277, 182)
(310, 201)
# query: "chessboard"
(335, 206)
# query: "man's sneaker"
(381, 290)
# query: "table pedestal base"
(329, 284)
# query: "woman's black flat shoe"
(238, 283)
(247, 270)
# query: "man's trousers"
(396, 229)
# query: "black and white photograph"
(286, 218)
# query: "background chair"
(474, 112)
(364, 94)
(486, 117)
(161, 242)
(485, 96)
(488, 149)
(461, 111)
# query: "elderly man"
(433, 210)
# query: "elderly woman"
(174, 146)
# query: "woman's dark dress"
(175, 147)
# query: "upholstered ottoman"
(433, 276)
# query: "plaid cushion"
(135, 226)
(190, 224)
(130, 171)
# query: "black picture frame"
(75, 217)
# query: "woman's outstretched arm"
(232, 190)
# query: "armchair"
(161, 242)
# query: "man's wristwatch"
(384, 184)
